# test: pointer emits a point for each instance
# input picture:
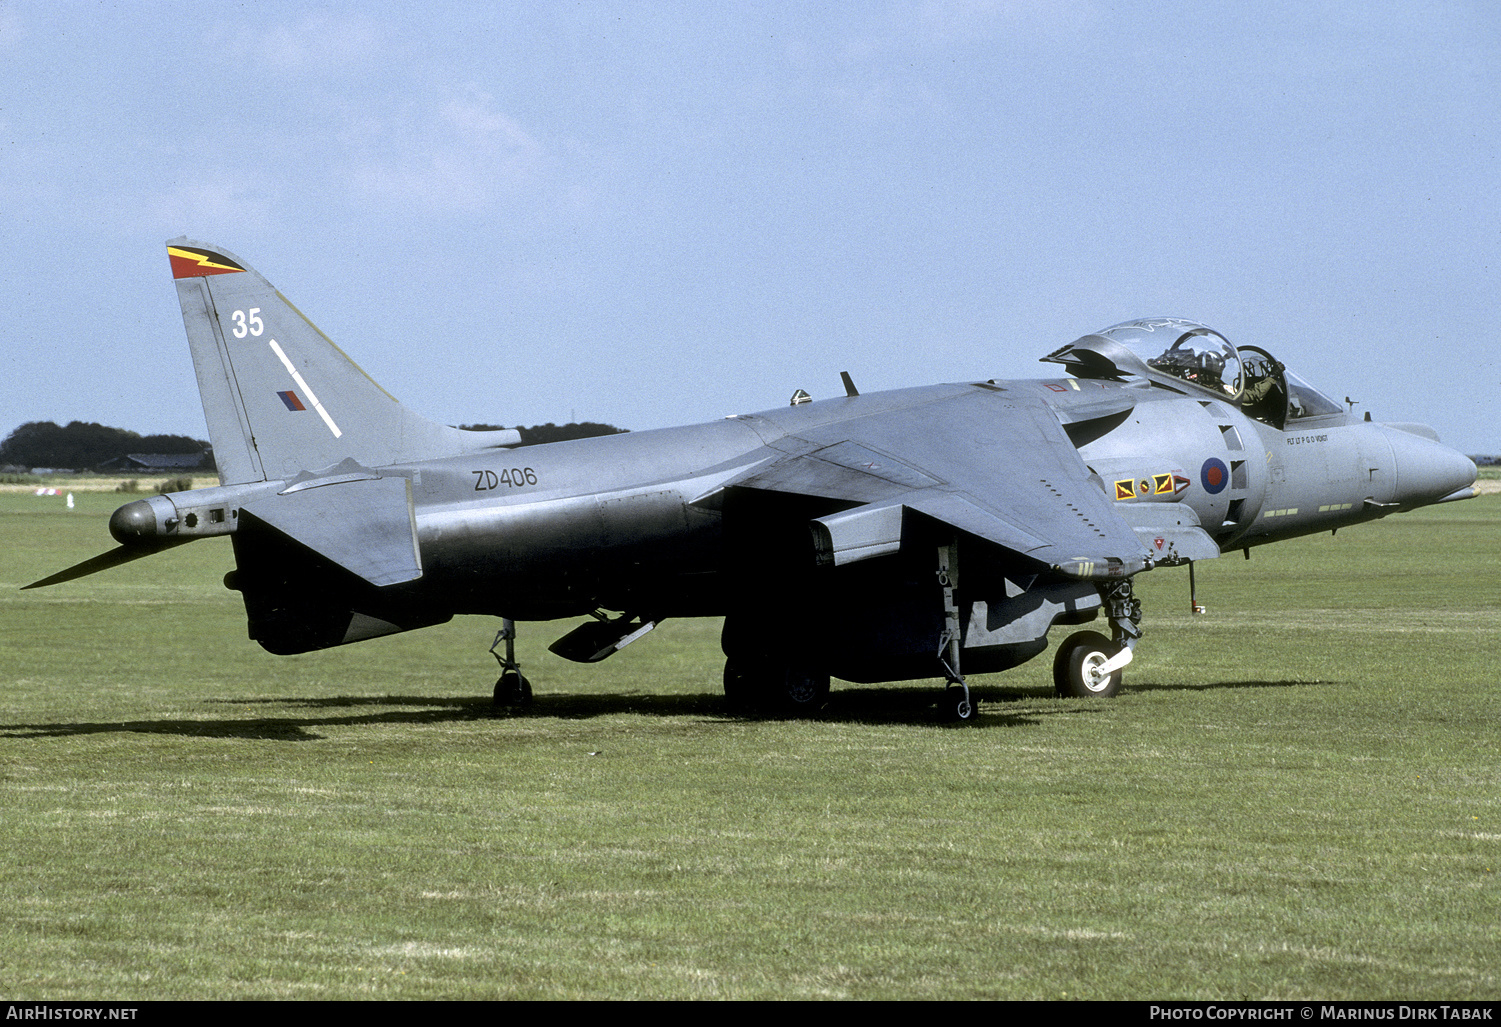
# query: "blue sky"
(653, 214)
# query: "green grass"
(1296, 797)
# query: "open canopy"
(1167, 348)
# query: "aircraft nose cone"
(1428, 471)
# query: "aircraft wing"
(996, 465)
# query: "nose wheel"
(1080, 668)
(512, 689)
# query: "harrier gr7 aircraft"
(921, 533)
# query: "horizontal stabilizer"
(366, 527)
(104, 562)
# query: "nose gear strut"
(1124, 611)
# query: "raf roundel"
(1214, 476)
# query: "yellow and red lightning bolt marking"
(187, 263)
(1168, 483)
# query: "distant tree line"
(549, 432)
(81, 445)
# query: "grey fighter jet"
(923, 533)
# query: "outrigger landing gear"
(512, 689)
(956, 704)
(1088, 665)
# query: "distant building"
(154, 463)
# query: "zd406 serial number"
(513, 477)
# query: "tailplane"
(278, 395)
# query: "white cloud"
(316, 45)
(461, 155)
(222, 198)
(12, 32)
(947, 22)
(899, 66)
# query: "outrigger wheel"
(957, 704)
(512, 689)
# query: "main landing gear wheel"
(779, 691)
(737, 688)
(512, 689)
(1076, 668)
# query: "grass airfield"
(1296, 797)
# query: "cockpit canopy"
(1171, 348)
(1194, 353)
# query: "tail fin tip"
(278, 395)
(192, 260)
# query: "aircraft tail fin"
(278, 395)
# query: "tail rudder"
(278, 395)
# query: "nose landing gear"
(1078, 669)
(1088, 665)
